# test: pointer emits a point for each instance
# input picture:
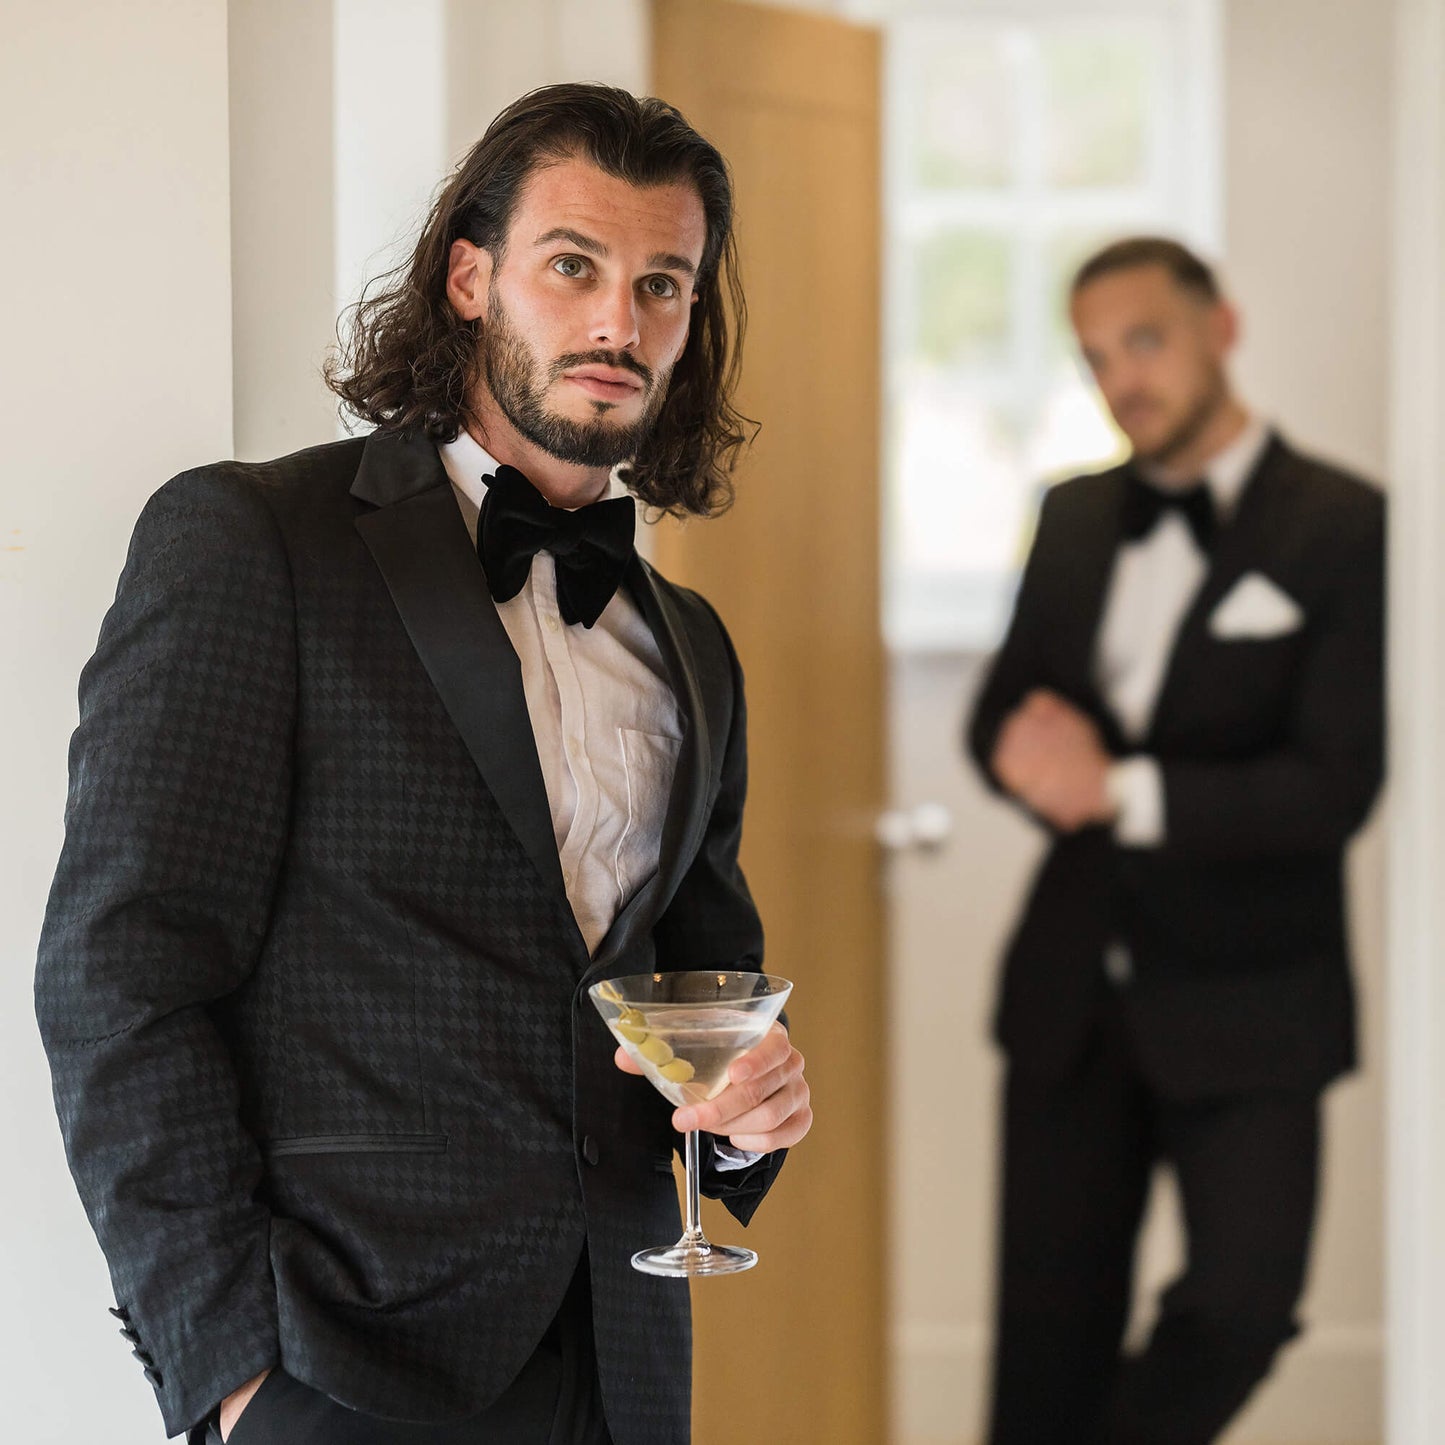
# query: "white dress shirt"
(604, 716)
(1154, 583)
(607, 727)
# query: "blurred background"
(194, 189)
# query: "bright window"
(1022, 136)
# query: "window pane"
(963, 114)
(1097, 88)
(1019, 144)
(960, 282)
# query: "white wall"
(497, 51)
(283, 222)
(115, 373)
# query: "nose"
(1118, 380)
(614, 323)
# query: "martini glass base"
(685, 1259)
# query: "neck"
(563, 484)
(1220, 430)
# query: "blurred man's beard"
(518, 383)
(1182, 436)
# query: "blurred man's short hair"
(1188, 270)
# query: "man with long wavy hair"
(389, 749)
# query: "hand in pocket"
(235, 1403)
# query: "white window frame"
(963, 611)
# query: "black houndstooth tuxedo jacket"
(310, 986)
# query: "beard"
(1181, 437)
(519, 382)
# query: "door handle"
(923, 828)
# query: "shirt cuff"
(1136, 788)
(726, 1158)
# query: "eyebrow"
(663, 260)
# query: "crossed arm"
(1308, 792)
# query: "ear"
(469, 274)
(1224, 327)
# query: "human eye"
(664, 288)
(572, 267)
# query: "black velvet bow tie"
(1145, 504)
(592, 546)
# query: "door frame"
(1415, 1023)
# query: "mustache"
(622, 360)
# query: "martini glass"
(683, 1030)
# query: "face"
(586, 312)
(1157, 353)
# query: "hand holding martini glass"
(683, 1030)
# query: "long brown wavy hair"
(407, 362)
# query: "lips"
(605, 383)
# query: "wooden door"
(795, 1350)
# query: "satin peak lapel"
(686, 815)
(420, 543)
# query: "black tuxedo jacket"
(1271, 751)
(313, 996)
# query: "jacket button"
(590, 1152)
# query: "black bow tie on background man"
(591, 546)
(1145, 504)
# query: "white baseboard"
(1327, 1389)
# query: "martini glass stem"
(693, 1234)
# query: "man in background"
(388, 750)
(1189, 698)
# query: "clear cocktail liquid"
(685, 1052)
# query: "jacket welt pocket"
(357, 1144)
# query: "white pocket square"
(1255, 608)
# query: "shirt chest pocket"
(649, 761)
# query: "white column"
(498, 50)
(390, 123)
(1415, 1394)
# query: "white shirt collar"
(1227, 471)
(467, 462)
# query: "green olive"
(655, 1050)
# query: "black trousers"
(555, 1400)
(1078, 1156)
